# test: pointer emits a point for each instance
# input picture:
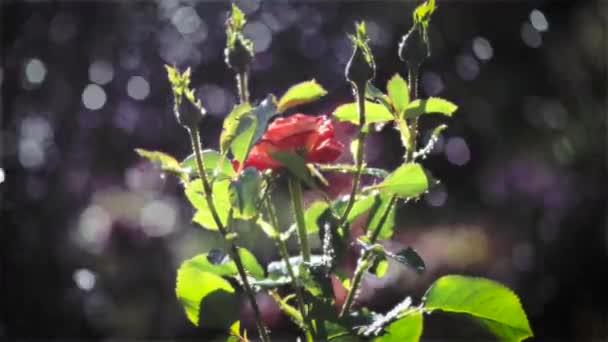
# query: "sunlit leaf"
(252, 126)
(375, 94)
(429, 106)
(251, 263)
(301, 93)
(312, 215)
(221, 200)
(377, 209)
(409, 180)
(244, 193)
(231, 125)
(166, 162)
(288, 309)
(379, 267)
(211, 159)
(398, 92)
(374, 112)
(207, 298)
(405, 329)
(487, 301)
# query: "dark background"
(92, 235)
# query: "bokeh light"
(138, 88)
(93, 97)
(35, 71)
(101, 72)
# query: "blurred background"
(92, 234)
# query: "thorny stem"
(412, 78)
(295, 189)
(285, 256)
(234, 249)
(360, 95)
(363, 262)
(242, 83)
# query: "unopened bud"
(239, 56)
(188, 113)
(413, 49)
(358, 69)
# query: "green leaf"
(180, 82)
(312, 215)
(375, 94)
(301, 93)
(377, 208)
(398, 92)
(251, 264)
(231, 125)
(215, 165)
(221, 200)
(422, 13)
(207, 298)
(379, 267)
(405, 329)
(289, 309)
(267, 228)
(489, 302)
(408, 256)
(296, 165)
(244, 193)
(252, 126)
(374, 112)
(430, 105)
(166, 162)
(244, 139)
(409, 180)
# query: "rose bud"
(239, 56)
(413, 49)
(359, 70)
(310, 136)
(188, 111)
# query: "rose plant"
(260, 145)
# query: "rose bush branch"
(189, 112)
(360, 69)
(282, 247)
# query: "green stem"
(285, 256)
(234, 249)
(412, 77)
(242, 83)
(359, 155)
(295, 189)
(363, 263)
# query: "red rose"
(310, 136)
